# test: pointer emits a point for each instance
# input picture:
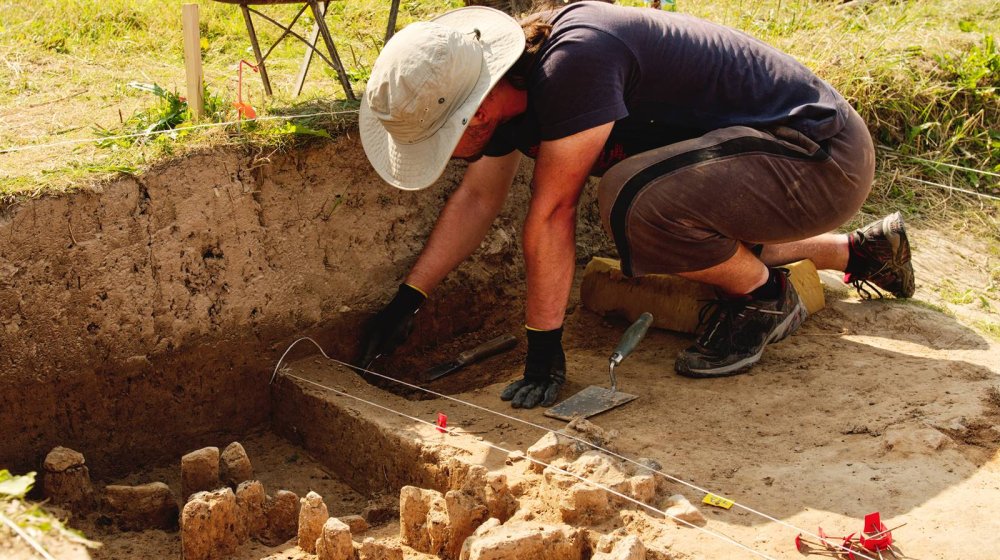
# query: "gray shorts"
(687, 206)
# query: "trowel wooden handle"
(497, 345)
(631, 338)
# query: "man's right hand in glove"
(391, 326)
(544, 371)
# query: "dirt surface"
(882, 406)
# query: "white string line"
(950, 188)
(608, 489)
(27, 538)
(25, 147)
(560, 434)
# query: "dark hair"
(536, 31)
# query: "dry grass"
(924, 75)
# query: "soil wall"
(141, 319)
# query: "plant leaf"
(16, 486)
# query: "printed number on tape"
(717, 501)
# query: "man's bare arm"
(465, 219)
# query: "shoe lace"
(862, 285)
(721, 314)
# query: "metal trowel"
(489, 348)
(595, 400)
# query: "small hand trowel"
(595, 400)
(489, 348)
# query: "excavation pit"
(142, 320)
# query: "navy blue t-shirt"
(661, 77)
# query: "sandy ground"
(882, 406)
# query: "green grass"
(925, 76)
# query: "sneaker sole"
(791, 324)
(900, 252)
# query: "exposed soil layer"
(142, 318)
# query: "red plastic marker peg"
(442, 422)
(875, 537)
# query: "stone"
(381, 509)
(628, 548)
(525, 541)
(137, 508)
(465, 515)
(583, 429)
(680, 509)
(642, 487)
(312, 515)
(250, 505)
(584, 502)
(199, 471)
(282, 513)
(499, 498)
(596, 467)
(423, 519)
(466, 477)
(546, 450)
(234, 465)
(920, 441)
(61, 459)
(66, 480)
(356, 523)
(515, 456)
(674, 301)
(208, 525)
(334, 542)
(374, 550)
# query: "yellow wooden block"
(673, 301)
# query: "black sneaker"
(880, 258)
(738, 330)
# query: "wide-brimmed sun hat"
(425, 87)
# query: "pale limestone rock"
(374, 550)
(66, 480)
(517, 541)
(628, 548)
(584, 502)
(250, 504)
(334, 542)
(499, 499)
(312, 515)
(356, 523)
(920, 441)
(137, 508)
(208, 525)
(234, 465)
(546, 450)
(678, 507)
(199, 471)
(466, 477)
(423, 519)
(515, 456)
(282, 512)
(465, 515)
(642, 487)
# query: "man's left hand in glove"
(544, 371)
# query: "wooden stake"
(192, 60)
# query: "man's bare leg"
(741, 274)
(827, 251)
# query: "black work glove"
(391, 326)
(544, 372)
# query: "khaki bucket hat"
(425, 87)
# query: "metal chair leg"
(338, 66)
(391, 28)
(300, 80)
(256, 49)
